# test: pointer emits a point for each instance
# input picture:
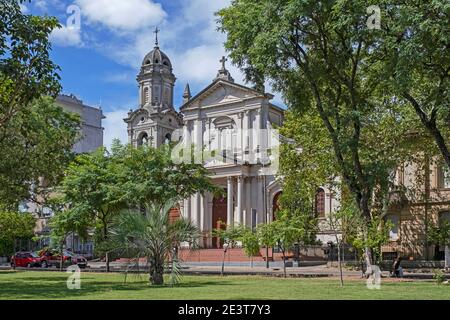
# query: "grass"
(23, 285)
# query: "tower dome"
(157, 57)
(156, 80)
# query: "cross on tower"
(156, 33)
(223, 60)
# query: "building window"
(320, 203)
(394, 220)
(168, 138)
(446, 177)
(143, 139)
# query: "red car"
(51, 258)
(25, 260)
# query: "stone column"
(240, 189)
(198, 140)
(189, 209)
(209, 210)
(195, 215)
(257, 133)
(240, 138)
(260, 199)
(203, 219)
(186, 134)
(230, 203)
(202, 213)
(251, 141)
(248, 203)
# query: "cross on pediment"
(223, 60)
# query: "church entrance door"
(219, 218)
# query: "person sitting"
(397, 270)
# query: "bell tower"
(156, 80)
(154, 122)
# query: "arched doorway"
(219, 217)
(276, 206)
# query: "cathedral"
(235, 123)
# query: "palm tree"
(154, 236)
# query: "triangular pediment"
(221, 92)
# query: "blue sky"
(100, 60)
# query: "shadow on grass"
(55, 287)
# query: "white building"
(230, 121)
(91, 138)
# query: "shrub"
(439, 276)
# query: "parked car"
(25, 260)
(53, 258)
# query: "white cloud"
(188, 36)
(45, 5)
(66, 37)
(41, 4)
(120, 15)
(200, 64)
(23, 8)
(115, 127)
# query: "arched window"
(320, 203)
(143, 139)
(168, 138)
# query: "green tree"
(26, 71)
(152, 235)
(414, 60)
(65, 222)
(37, 147)
(439, 234)
(14, 226)
(149, 175)
(229, 236)
(320, 56)
(293, 229)
(91, 187)
(98, 186)
(267, 238)
(250, 243)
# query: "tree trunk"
(267, 257)
(340, 262)
(107, 262)
(223, 262)
(157, 271)
(364, 209)
(430, 124)
(61, 262)
(368, 258)
(284, 263)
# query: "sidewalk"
(237, 268)
(276, 270)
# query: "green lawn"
(52, 285)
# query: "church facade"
(233, 124)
